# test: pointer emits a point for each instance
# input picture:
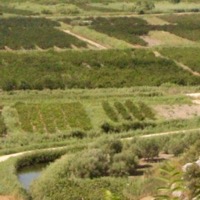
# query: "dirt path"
(95, 44)
(6, 157)
(184, 67)
(7, 198)
(164, 133)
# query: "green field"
(30, 33)
(89, 69)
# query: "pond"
(28, 174)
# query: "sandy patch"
(151, 41)
(177, 111)
(169, 39)
(7, 198)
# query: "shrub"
(113, 147)
(147, 148)
(142, 6)
(192, 176)
(124, 164)
(3, 128)
(9, 85)
(92, 163)
(78, 134)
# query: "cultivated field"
(105, 94)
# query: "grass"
(103, 39)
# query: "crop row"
(128, 111)
(52, 118)
(29, 33)
(89, 69)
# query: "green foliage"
(134, 110)
(124, 164)
(110, 111)
(127, 68)
(193, 153)
(122, 111)
(187, 55)
(50, 118)
(90, 164)
(192, 178)
(173, 181)
(27, 33)
(123, 28)
(146, 111)
(126, 126)
(141, 6)
(3, 128)
(185, 26)
(147, 148)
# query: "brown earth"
(7, 198)
(177, 111)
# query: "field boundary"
(95, 44)
(183, 66)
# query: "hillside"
(99, 100)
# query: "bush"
(124, 164)
(142, 6)
(92, 163)
(192, 176)
(78, 134)
(147, 148)
(113, 147)
(3, 128)
(9, 85)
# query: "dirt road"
(95, 44)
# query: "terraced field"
(31, 33)
(100, 92)
(52, 118)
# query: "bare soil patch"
(151, 41)
(7, 198)
(178, 111)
